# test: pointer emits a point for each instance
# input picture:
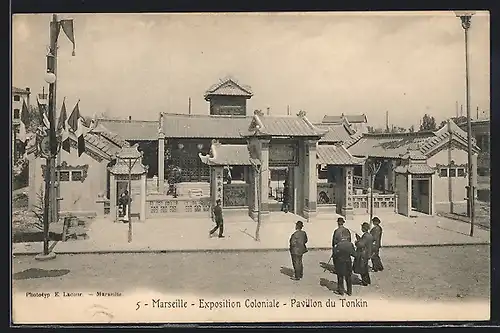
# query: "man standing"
(343, 252)
(298, 247)
(376, 232)
(364, 246)
(124, 207)
(219, 221)
(285, 207)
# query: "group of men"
(365, 248)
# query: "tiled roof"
(336, 155)
(16, 90)
(336, 133)
(204, 126)
(146, 130)
(228, 87)
(415, 169)
(391, 145)
(228, 155)
(129, 152)
(121, 168)
(443, 135)
(353, 118)
(102, 143)
(283, 126)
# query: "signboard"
(283, 155)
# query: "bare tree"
(374, 166)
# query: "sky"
(405, 63)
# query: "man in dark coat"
(285, 207)
(337, 234)
(376, 232)
(219, 220)
(364, 246)
(343, 252)
(298, 247)
(124, 206)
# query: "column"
(161, 163)
(310, 179)
(297, 193)
(33, 181)
(143, 198)
(364, 175)
(112, 197)
(217, 185)
(347, 208)
(255, 193)
(264, 177)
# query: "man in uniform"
(364, 246)
(298, 247)
(343, 252)
(376, 232)
(219, 221)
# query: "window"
(64, 176)
(17, 98)
(16, 113)
(453, 172)
(443, 172)
(461, 172)
(76, 176)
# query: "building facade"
(18, 97)
(190, 160)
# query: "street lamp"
(465, 18)
(129, 155)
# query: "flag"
(43, 114)
(63, 128)
(67, 26)
(77, 125)
(23, 127)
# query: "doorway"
(281, 188)
(420, 195)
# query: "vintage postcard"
(250, 167)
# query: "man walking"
(298, 247)
(376, 232)
(343, 252)
(364, 246)
(219, 221)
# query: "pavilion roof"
(297, 126)
(229, 86)
(133, 130)
(336, 155)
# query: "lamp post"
(465, 17)
(50, 78)
(130, 156)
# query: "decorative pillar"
(217, 185)
(364, 175)
(143, 197)
(161, 163)
(112, 196)
(310, 179)
(264, 178)
(347, 208)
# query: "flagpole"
(50, 169)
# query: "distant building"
(481, 132)
(358, 123)
(18, 96)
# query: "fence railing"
(384, 202)
(161, 205)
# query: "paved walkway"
(189, 235)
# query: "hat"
(365, 225)
(341, 220)
(375, 219)
(217, 201)
(299, 224)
